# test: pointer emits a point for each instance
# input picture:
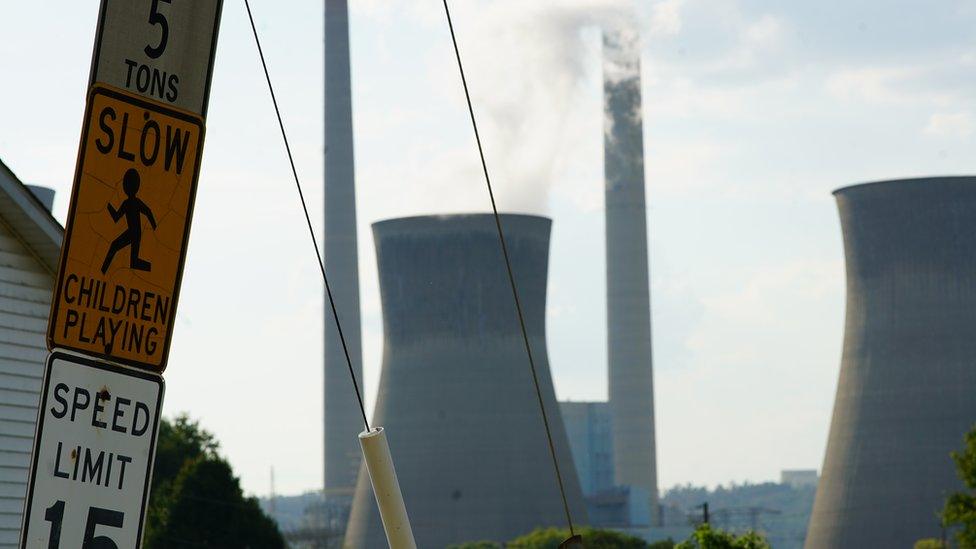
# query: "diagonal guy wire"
(511, 277)
(308, 220)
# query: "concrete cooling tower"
(907, 388)
(456, 395)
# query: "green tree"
(930, 543)
(960, 508)
(196, 500)
(179, 440)
(593, 538)
(705, 537)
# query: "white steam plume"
(527, 62)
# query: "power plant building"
(631, 380)
(342, 421)
(905, 397)
(589, 433)
(799, 478)
(456, 394)
(589, 428)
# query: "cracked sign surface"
(127, 230)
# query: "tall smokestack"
(628, 294)
(342, 421)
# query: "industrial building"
(589, 433)
(341, 421)
(905, 396)
(30, 245)
(799, 478)
(456, 394)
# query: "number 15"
(96, 516)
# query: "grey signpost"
(94, 443)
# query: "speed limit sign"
(93, 455)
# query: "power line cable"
(308, 220)
(511, 277)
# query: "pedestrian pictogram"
(132, 209)
(127, 229)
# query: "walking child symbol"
(131, 208)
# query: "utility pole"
(273, 495)
(755, 512)
(704, 508)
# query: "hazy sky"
(754, 112)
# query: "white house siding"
(25, 298)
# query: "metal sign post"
(93, 455)
(120, 272)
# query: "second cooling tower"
(907, 388)
(456, 395)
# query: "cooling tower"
(456, 394)
(907, 388)
(631, 383)
(342, 419)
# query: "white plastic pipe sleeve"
(386, 488)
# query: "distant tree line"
(780, 511)
(704, 537)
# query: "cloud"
(767, 31)
(720, 42)
(954, 124)
(760, 302)
(872, 84)
(942, 83)
(757, 359)
(666, 17)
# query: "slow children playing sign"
(135, 181)
(126, 235)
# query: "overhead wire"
(511, 277)
(308, 219)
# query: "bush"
(704, 537)
(960, 508)
(593, 538)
